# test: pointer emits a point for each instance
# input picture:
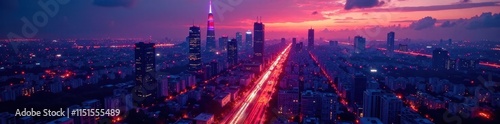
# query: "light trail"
(261, 81)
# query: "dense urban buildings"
(142, 69)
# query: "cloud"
(350, 18)
(427, 22)
(315, 13)
(485, 20)
(448, 24)
(433, 8)
(351, 4)
(114, 3)
(464, 1)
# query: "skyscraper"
(294, 41)
(194, 49)
(310, 39)
(239, 38)
(359, 44)
(232, 52)
(283, 40)
(371, 103)
(390, 41)
(223, 43)
(211, 45)
(145, 72)
(439, 58)
(360, 82)
(258, 44)
(390, 109)
(248, 40)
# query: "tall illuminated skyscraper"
(258, 44)
(145, 72)
(310, 39)
(390, 41)
(211, 45)
(248, 40)
(232, 52)
(194, 49)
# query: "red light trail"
(259, 91)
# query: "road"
(252, 108)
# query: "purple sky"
(337, 19)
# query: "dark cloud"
(315, 13)
(485, 20)
(427, 22)
(114, 3)
(464, 1)
(433, 8)
(448, 24)
(351, 4)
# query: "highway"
(252, 107)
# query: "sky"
(331, 19)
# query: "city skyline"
(296, 61)
(335, 19)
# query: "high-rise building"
(239, 39)
(283, 40)
(390, 109)
(194, 49)
(288, 102)
(232, 52)
(258, 44)
(310, 103)
(329, 106)
(223, 43)
(371, 103)
(248, 40)
(294, 41)
(334, 43)
(360, 82)
(310, 39)
(211, 45)
(390, 41)
(145, 72)
(439, 58)
(359, 44)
